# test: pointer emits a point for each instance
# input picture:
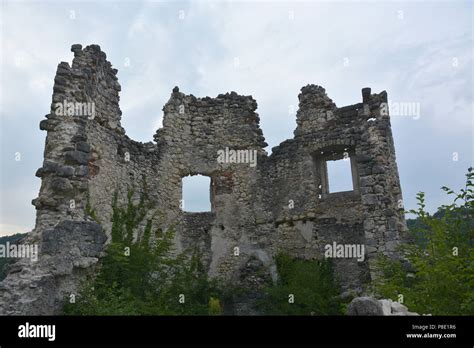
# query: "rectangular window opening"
(339, 175)
(196, 195)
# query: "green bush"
(312, 284)
(438, 275)
(141, 276)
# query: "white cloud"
(6, 230)
(410, 58)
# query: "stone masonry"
(281, 204)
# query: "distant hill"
(5, 261)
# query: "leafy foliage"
(141, 276)
(312, 284)
(439, 275)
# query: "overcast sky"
(418, 52)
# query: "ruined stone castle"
(281, 204)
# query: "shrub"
(141, 276)
(438, 277)
(312, 284)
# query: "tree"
(142, 276)
(437, 273)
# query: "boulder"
(365, 306)
(398, 307)
(371, 306)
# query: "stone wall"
(282, 203)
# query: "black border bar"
(242, 330)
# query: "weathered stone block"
(369, 199)
(48, 124)
(61, 184)
(65, 171)
(83, 146)
(81, 171)
(76, 157)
